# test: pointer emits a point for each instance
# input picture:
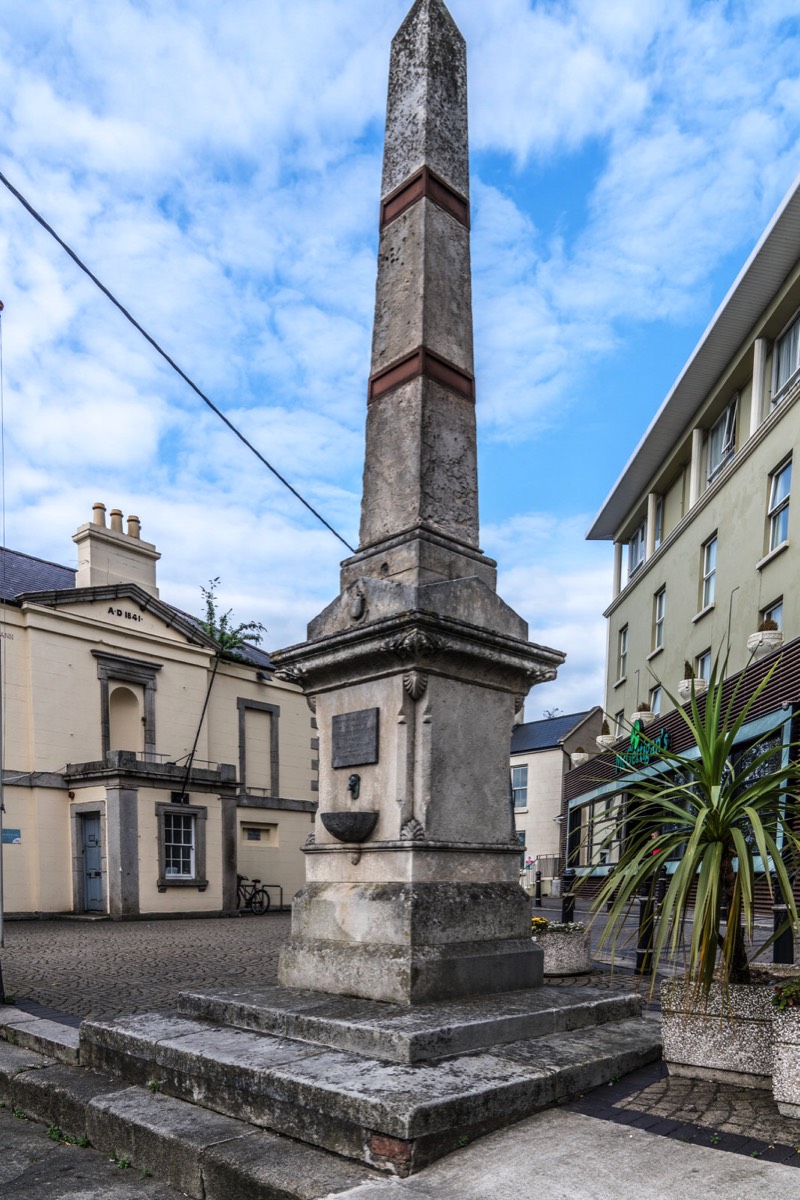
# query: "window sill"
(620, 681)
(522, 811)
(654, 653)
(703, 613)
(762, 562)
(200, 884)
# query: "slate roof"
(21, 573)
(544, 735)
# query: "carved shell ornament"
(294, 675)
(412, 831)
(415, 683)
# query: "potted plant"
(786, 1047)
(579, 756)
(642, 713)
(690, 683)
(565, 946)
(766, 639)
(718, 819)
(605, 738)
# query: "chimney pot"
(134, 527)
(98, 514)
(116, 520)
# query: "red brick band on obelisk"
(414, 671)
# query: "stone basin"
(350, 826)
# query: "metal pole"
(644, 949)
(567, 896)
(537, 891)
(783, 946)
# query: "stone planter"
(726, 1038)
(604, 741)
(577, 760)
(565, 953)
(685, 689)
(764, 642)
(643, 717)
(786, 1061)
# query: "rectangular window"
(778, 511)
(655, 700)
(659, 530)
(622, 652)
(619, 723)
(659, 611)
(519, 786)
(722, 439)
(636, 549)
(709, 572)
(787, 360)
(179, 846)
(774, 612)
(703, 666)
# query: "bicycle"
(250, 895)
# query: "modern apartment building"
(706, 547)
(701, 517)
(104, 686)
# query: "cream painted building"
(103, 689)
(541, 754)
(702, 516)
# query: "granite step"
(400, 1034)
(394, 1116)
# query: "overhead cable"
(128, 316)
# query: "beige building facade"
(541, 754)
(104, 688)
(701, 517)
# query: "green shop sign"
(641, 750)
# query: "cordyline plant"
(716, 817)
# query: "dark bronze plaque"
(355, 738)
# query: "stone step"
(35, 1033)
(394, 1116)
(397, 1033)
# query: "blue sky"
(218, 166)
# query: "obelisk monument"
(415, 669)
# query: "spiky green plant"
(229, 639)
(716, 817)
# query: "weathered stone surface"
(161, 1135)
(274, 1166)
(726, 1036)
(46, 1037)
(426, 119)
(59, 1094)
(399, 1034)
(394, 1115)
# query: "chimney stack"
(111, 556)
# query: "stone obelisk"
(414, 671)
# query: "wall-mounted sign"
(355, 738)
(641, 750)
(12, 837)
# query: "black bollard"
(783, 946)
(644, 948)
(567, 896)
(537, 891)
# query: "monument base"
(420, 975)
(390, 1086)
(411, 942)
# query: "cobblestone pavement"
(718, 1116)
(104, 968)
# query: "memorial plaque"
(355, 738)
